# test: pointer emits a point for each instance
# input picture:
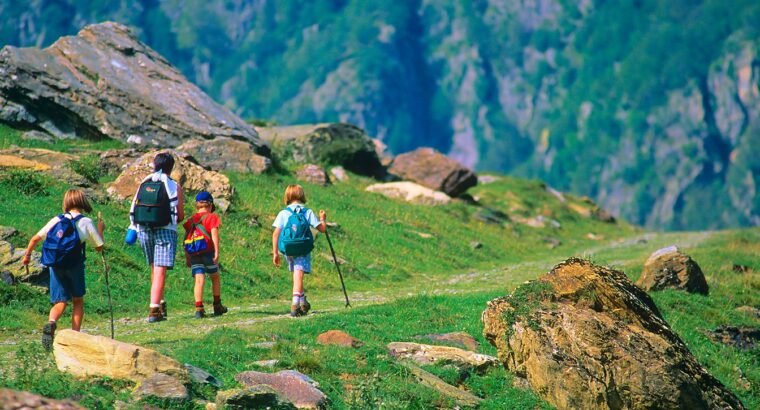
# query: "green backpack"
(153, 205)
(295, 236)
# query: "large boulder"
(410, 192)
(585, 337)
(21, 400)
(434, 170)
(162, 386)
(297, 388)
(227, 154)
(668, 268)
(326, 144)
(313, 174)
(190, 176)
(256, 397)
(34, 273)
(105, 83)
(86, 355)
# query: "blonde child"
(298, 264)
(67, 283)
(205, 262)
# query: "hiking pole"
(337, 266)
(106, 268)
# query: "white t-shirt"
(282, 217)
(85, 227)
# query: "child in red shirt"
(206, 262)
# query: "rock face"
(585, 337)
(427, 354)
(327, 144)
(338, 337)
(53, 162)
(256, 397)
(85, 355)
(410, 192)
(740, 337)
(313, 174)
(191, 177)
(10, 261)
(298, 388)
(115, 160)
(227, 154)
(434, 170)
(105, 83)
(668, 268)
(162, 386)
(19, 400)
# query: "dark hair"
(163, 162)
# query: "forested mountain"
(651, 107)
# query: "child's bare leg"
(57, 311)
(77, 314)
(216, 286)
(297, 281)
(158, 278)
(200, 281)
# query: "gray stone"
(162, 386)
(427, 354)
(105, 83)
(10, 260)
(19, 400)
(296, 387)
(313, 174)
(35, 135)
(6, 232)
(434, 170)
(227, 154)
(199, 375)
(254, 397)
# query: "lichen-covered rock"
(34, 273)
(585, 337)
(191, 177)
(105, 83)
(427, 354)
(326, 144)
(86, 355)
(668, 268)
(296, 387)
(162, 386)
(434, 170)
(254, 397)
(115, 160)
(20, 400)
(227, 154)
(461, 339)
(410, 192)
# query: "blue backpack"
(295, 236)
(62, 246)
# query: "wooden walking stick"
(106, 269)
(337, 266)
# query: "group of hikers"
(157, 210)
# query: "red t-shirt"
(211, 221)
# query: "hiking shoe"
(295, 310)
(304, 306)
(163, 310)
(219, 309)
(155, 315)
(48, 333)
(200, 313)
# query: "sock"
(199, 304)
(155, 305)
(296, 298)
(302, 298)
(162, 302)
(217, 300)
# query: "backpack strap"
(199, 226)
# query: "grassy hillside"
(410, 270)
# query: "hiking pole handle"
(337, 266)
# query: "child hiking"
(202, 251)
(292, 236)
(63, 251)
(156, 208)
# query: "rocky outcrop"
(113, 161)
(55, 163)
(410, 192)
(255, 397)
(428, 354)
(297, 388)
(162, 386)
(326, 144)
(434, 170)
(313, 174)
(668, 268)
(191, 177)
(461, 397)
(339, 338)
(105, 83)
(86, 355)
(585, 337)
(10, 261)
(227, 154)
(19, 400)
(459, 339)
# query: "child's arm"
(215, 240)
(322, 227)
(29, 248)
(275, 253)
(180, 204)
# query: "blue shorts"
(299, 263)
(203, 263)
(67, 283)
(159, 246)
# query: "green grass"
(400, 283)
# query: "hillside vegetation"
(649, 107)
(410, 270)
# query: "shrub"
(87, 166)
(25, 182)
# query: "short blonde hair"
(76, 199)
(294, 193)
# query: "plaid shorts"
(159, 246)
(299, 262)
